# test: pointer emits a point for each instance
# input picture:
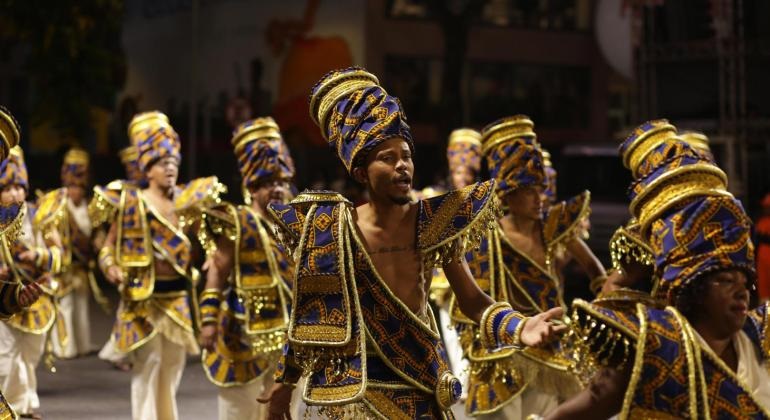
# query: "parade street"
(90, 389)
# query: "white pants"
(240, 402)
(74, 311)
(530, 401)
(454, 350)
(20, 354)
(155, 378)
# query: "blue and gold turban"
(666, 171)
(355, 114)
(13, 170)
(691, 222)
(261, 152)
(699, 142)
(513, 154)
(9, 132)
(550, 177)
(464, 149)
(129, 157)
(154, 138)
(74, 170)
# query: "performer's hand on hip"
(208, 336)
(114, 275)
(278, 400)
(541, 328)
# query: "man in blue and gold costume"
(515, 264)
(148, 254)
(32, 259)
(244, 320)
(76, 281)
(360, 326)
(15, 295)
(704, 355)
(129, 157)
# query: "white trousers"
(155, 378)
(530, 401)
(454, 350)
(240, 402)
(74, 311)
(20, 354)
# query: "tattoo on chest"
(393, 249)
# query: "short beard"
(401, 200)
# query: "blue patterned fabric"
(261, 152)
(513, 155)
(154, 138)
(13, 170)
(464, 149)
(356, 114)
(74, 171)
(665, 369)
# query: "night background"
(585, 71)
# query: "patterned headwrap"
(666, 170)
(550, 177)
(9, 132)
(699, 142)
(355, 114)
(154, 138)
(513, 154)
(261, 152)
(464, 149)
(691, 222)
(13, 170)
(74, 170)
(129, 157)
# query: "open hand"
(278, 400)
(540, 329)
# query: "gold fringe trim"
(466, 239)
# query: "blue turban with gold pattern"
(154, 138)
(551, 177)
(129, 157)
(74, 170)
(261, 152)
(513, 154)
(691, 222)
(464, 149)
(698, 141)
(356, 114)
(13, 170)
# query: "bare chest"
(397, 262)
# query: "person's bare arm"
(588, 261)
(586, 258)
(470, 298)
(473, 302)
(219, 267)
(602, 399)
(112, 272)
